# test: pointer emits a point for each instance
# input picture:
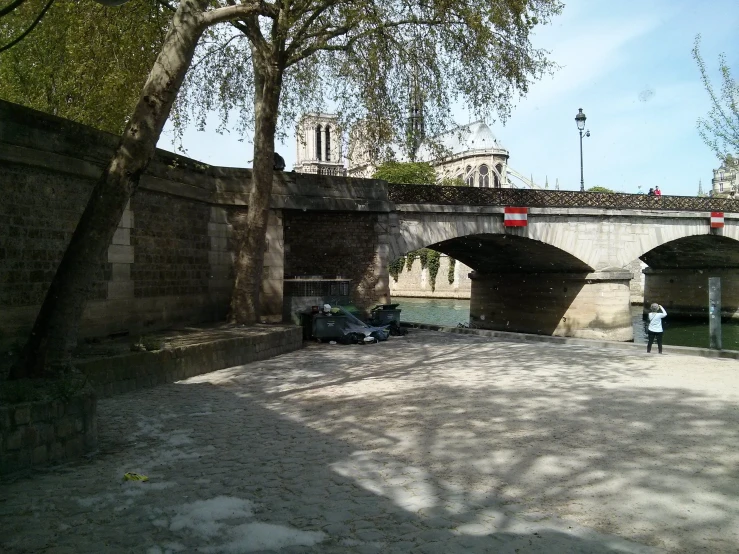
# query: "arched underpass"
(510, 254)
(678, 272)
(524, 285)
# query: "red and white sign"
(516, 217)
(717, 220)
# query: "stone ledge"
(524, 337)
(230, 347)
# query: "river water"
(450, 312)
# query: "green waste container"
(329, 327)
(385, 316)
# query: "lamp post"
(580, 120)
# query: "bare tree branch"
(13, 5)
(300, 35)
(25, 33)
(239, 12)
(325, 37)
(211, 52)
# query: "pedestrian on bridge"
(655, 329)
(657, 192)
(651, 192)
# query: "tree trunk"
(250, 234)
(55, 330)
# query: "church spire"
(415, 130)
(700, 188)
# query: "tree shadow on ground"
(437, 443)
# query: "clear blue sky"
(628, 64)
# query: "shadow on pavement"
(437, 443)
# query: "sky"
(628, 65)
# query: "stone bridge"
(170, 263)
(564, 273)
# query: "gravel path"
(429, 443)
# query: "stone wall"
(594, 305)
(215, 350)
(38, 213)
(337, 245)
(171, 259)
(36, 433)
(415, 281)
(171, 245)
(684, 292)
(636, 287)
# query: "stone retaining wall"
(37, 433)
(415, 281)
(136, 370)
(170, 262)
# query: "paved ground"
(429, 443)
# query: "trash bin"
(328, 326)
(385, 314)
(306, 322)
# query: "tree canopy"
(356, 58)
(267, 63)
(84, 61)
(412, 173)
(599, 189)
(720, 129)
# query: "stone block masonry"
(170, 262)
(33, 434)
(415, 281)
(199, 352)
(171, 246)
(38, 214)
(345, 245)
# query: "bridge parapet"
(475, 196)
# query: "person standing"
(657, 192)
(655, 329)
(651, 192)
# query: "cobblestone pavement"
(428, 443)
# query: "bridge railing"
(476, 196)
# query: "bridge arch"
(659, 242)
(678, 273)
(700, 251)
(597, 232)
(600, 241)
(507, 253)
(421, 230)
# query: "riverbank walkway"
(433, 442)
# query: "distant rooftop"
(474, 136)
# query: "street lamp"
(580, 120)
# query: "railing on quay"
(476, 196)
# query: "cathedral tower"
(319, 145)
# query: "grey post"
(714, 312)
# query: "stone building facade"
(319, 145)
(473, 155)
(726, 177)
(470, 153)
